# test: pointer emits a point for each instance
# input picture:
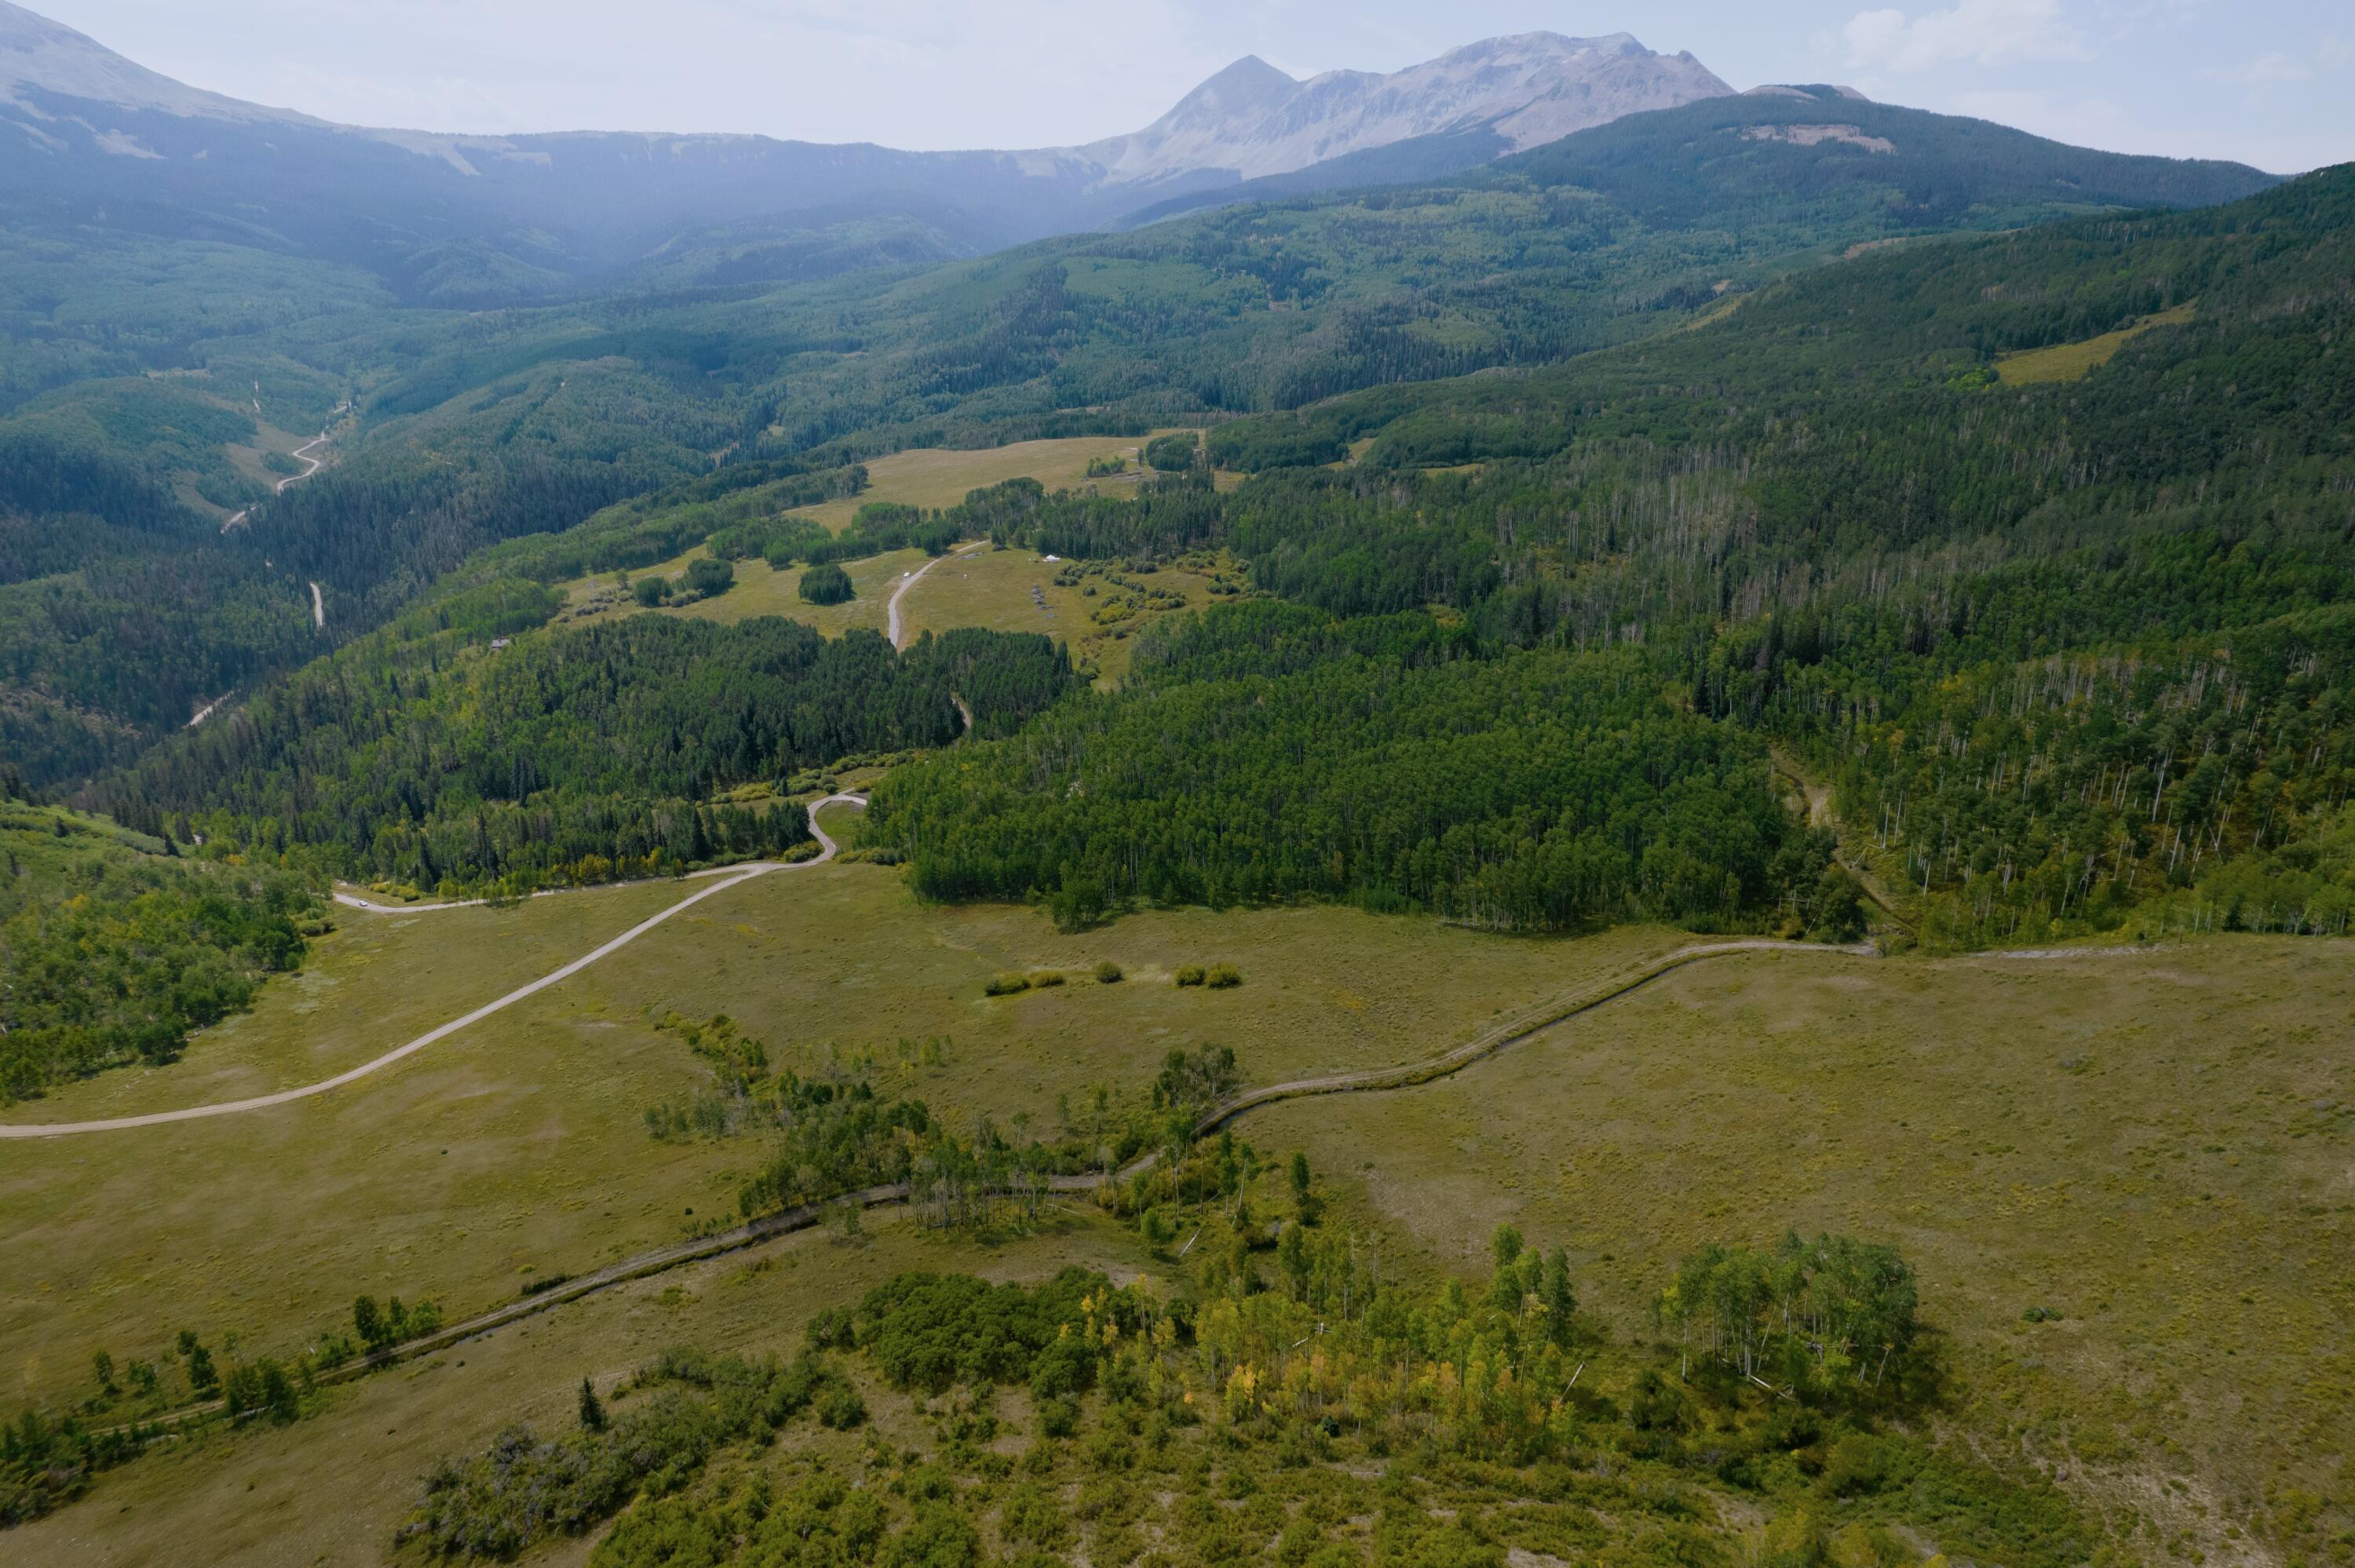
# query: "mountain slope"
(1704, 161)
(140, 371)
(1760, 151)
(469, 221)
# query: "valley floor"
(2145, 1143)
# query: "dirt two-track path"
(1512, 1029)
(897, 632)
(721, 883)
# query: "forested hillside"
(1269, 753)
(461, 750)
(154, 379)
(2068, 646)
(2074, 654)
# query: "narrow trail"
(319, 609)
(227, 1108)
(1819, 815)
(770, 1227)
(897, 632)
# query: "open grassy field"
(2075, 361)
(332, 1490)
(2160, 1148)
(518, 1148)
(986, 587)
(2154, 1146)
(990, 589)
(1014, 591)
(939, 476)
(758, 590)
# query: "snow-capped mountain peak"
(1529, 88)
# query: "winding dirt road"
(302, 454)
(897, 634)
(735, 875)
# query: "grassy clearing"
(2075, 361)
(2150, 1145)
(759, 590)
(250, 459)
(995, 588)
(263, 1495)
(999, 595)
(2156, 1147)
(519, 1148)
(452, 1175)
(939, 476)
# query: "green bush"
(1189, 974)
(1108, 973)
(829, 584)
(1043, 979)
(1005, 985)
(839, 1407)
(708, 576)
(1223, 977)
(1857, 1464)
(651, 591)
(1172, 455)
(262, 1390)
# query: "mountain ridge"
(1536, 80)
(1531, 88)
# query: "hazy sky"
(2268, 82)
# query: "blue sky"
(2271, 82)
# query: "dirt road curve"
(897, 633)
(302, 454)
(155, 1118)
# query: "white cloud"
(2268, 70)
(2277, 68)
(2080, 121)
(2098, 122)
(1991, 32)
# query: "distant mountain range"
(461, 219)
(469, 221)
